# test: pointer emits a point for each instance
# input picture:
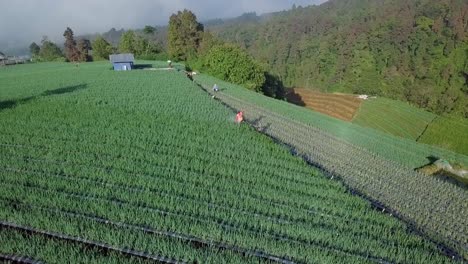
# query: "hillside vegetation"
(416, 51)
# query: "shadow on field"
(13, 103)
(259, 125)
(8, 104)
(294, 97)
(64, 90)
(142, 66)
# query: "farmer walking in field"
(239, 117)
(189, 75)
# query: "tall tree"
(84, 46)
(71, 51)
(34, 49)
(101, 49)
(127, 42)
(184, 35)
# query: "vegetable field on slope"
(436, 208)
(341, 106)
(401, 150)
(146, 166)
(393, 117)
(450, 133)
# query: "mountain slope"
(415, 51)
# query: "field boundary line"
(226, 226)
(86, 242)
(19, 259)
(182, 237)
(282, 219)
(427, 127)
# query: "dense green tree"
(34, 49)
(232, 64)
(71, 51)
(139, 43)
(184, 35)
(207, 42)
(127, 42)
(144, 47)
(49, 51)
(101, 49)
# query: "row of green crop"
(395, 186)
(238, 178)
(66, 224)
(196, 223)
(298, 198)
(45, 249)
(253, 205)
(174, 177)
(64, 183)
(319, 206)
(149, 219)
(193, 151)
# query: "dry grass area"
(341, 106)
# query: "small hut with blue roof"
(122, 62)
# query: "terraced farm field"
(432, 205)
(393, 117)
(449, 133)
(389, 116)
(340, 106)
(403, 151)
(143, 166)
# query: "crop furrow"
(94, 244)
(18, 259)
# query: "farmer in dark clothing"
(190, 75)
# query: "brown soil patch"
(341, 106)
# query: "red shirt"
(239, 117)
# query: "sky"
(29, 20)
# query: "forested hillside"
(415, 51)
